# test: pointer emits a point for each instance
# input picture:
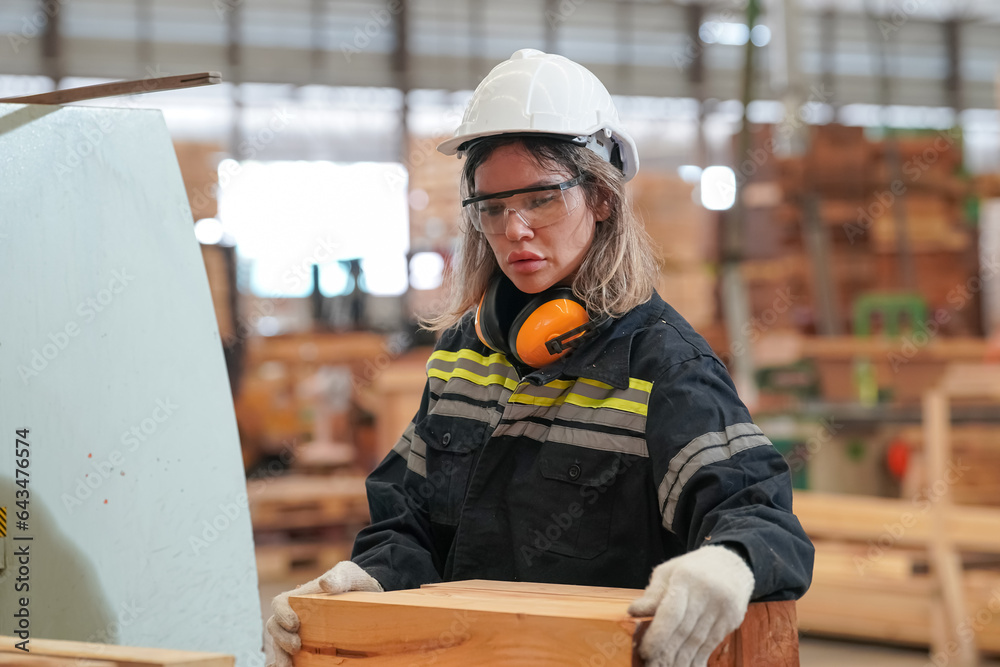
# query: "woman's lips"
(527, 265)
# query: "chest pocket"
(452, 445)
(574, 498)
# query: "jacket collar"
(606, 356)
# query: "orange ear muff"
(547, 328)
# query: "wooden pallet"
(511, 624)
(62, 653)
(306, 501)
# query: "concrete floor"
(813, 652)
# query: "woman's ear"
(603, 211)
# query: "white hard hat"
(544, 93)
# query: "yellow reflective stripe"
(465, 353)
(641, 385)
(484, 380)
(616, 403)
(582, 401)
(633, 383)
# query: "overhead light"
(760, 35)
(208, 231)
(724, 32)
(689, 173)
(426, 270)
(718, 188)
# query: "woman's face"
(534, 259)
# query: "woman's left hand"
(695, 601)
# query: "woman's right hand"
(283, 626)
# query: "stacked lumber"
(512, 624)
(861, 199)
(905, 368)
(684, 234)
(305, 524)
(60, 653)
(871, 578)
(976, 452)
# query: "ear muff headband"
(536, 333)
(546, 317)
(488, 326)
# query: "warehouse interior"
(821, 178)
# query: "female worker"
(574, 428)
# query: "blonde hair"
(620, 268)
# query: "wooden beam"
(487, 623)
(116, 88)
(124, 656)
(895, 522)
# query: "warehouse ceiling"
(639, 47)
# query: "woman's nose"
(516, 227)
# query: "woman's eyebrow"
(560, 179)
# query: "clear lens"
(536, 209)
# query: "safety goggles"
(538, 206)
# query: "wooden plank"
(858, 605)
(29, 660)
(895, 522)
(510, 624)
(123, 656)
(117, 88)
(532, 588)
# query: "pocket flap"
(451, 434)
(578, 465)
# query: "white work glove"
(695, 601)
(283, 627)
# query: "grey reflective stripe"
(531, 430)
(598, 440)
(447, 407)
(590, 391)
(477, 392)
(417, 464)
(402, 446)
(416, 459)
(700, 452)
(544, 391)
(603, 417)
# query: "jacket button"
(446, 439)
(574, 471)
